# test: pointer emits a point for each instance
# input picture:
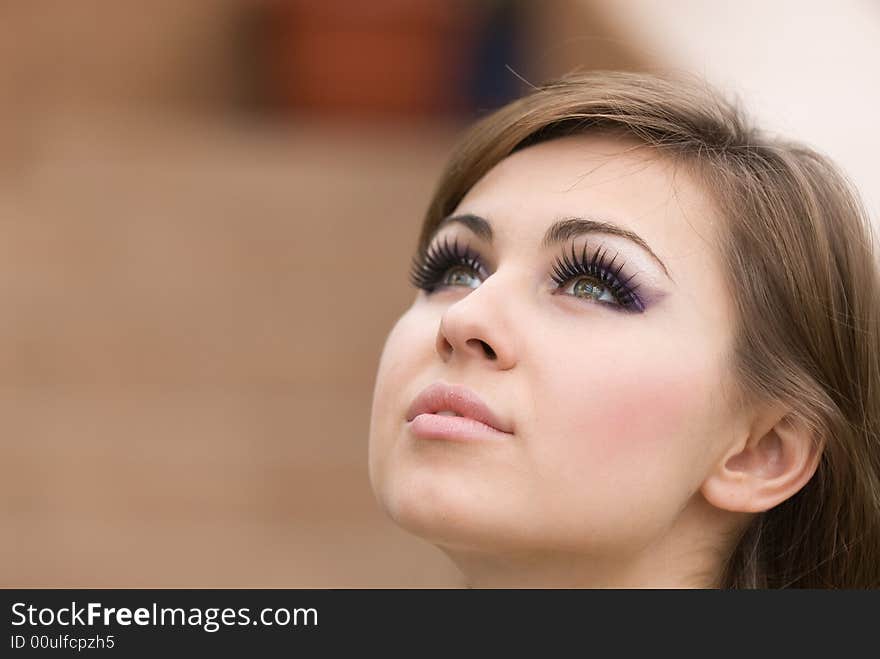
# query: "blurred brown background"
(207, 214)
(207, 211)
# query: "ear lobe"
(774, 462)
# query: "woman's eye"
(588, 288)
(460, 276)
(597, 279)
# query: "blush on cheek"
(628, 416)
(619, 453)
(649, 410)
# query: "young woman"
(644, 352)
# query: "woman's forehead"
(605, 178)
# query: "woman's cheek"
(406, 348)
(408, 351)
(395, 364)
(619, 418)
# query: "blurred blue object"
(498, 58)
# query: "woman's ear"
(776, 459)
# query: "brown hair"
(806, 291)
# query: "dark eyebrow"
(576, 226)
(475, 223)
(558, 232)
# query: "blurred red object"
(378, 58)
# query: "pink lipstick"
(444, 411)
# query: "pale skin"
(629, 464)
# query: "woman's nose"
(475, 328)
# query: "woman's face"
(605, 366)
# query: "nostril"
(486, 348)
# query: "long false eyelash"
(429, 266)
(603, 271)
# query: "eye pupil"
(458, 277)
(586, 288)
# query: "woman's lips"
(430, 415)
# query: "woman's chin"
(446, 516)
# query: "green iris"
(460, 277)
(586, 288)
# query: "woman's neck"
(691, 554)
(563, 570)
